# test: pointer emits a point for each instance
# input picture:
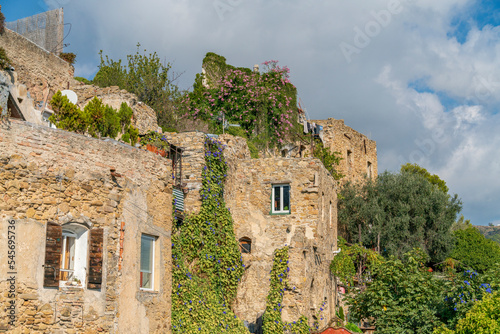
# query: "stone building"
(358, 152)
(84, 234)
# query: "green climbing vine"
(272, 323)
(207, 263)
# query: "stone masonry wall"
(42, 72)
(310, 231)
(358, 152)
(49, 175)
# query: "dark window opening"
(245, 245)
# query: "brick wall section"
(363, 151)
(310, 231)
(53, 175)
(38, 69)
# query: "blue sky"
(422, 78)
(17, 9)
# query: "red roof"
(336, 331)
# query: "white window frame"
(282, 211)
(79, 272)
(153, 250)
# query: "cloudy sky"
(421, 77)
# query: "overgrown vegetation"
(146, 76)
(207, 264)
(96, 119)
(272, 323)
(263, 105)
(69, 57)
(329, 159)
(4, 60)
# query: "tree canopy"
(473, 250)
(397, 213)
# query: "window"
(147, 262)
(369, 169)
(281, 199)
(73, 256)
(245, 245)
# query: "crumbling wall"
(50, 175)
(310, 230)
(42, 72)
(359, 154)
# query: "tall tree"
(399, 211)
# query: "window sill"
(280, 213)
(148, 290)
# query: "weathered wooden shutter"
(95, 258)
(53, 248)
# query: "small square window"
(281, 198)
(147, 262)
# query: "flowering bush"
(264, 105)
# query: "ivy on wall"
(272, 323)
(207, 263)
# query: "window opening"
(281, 198)
(245, 245)
(67, 256)
(147, 261)
(369, 169)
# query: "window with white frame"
(281, 198)
(73, 267)
(147, 262)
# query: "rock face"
(144, 118)
(52, 179)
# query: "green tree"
(66, 115)
(433, 178)
(146, 76)
(474, 250)
(399, 212)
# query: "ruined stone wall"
(144, 118)
(49, 175)
(310, 231)
(358, 152)
(42, 72)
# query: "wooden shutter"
(53, 248)
(95, 258)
